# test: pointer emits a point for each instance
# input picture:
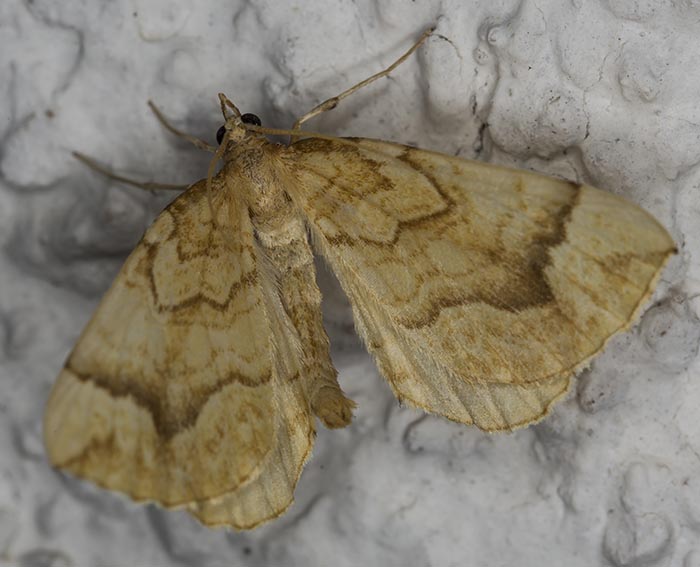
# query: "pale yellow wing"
(271, 493)
(174, 392)
(479, 289)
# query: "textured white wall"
(602, 91)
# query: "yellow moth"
(479, 290)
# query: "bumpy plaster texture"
(602, 91)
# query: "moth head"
(235, 124)
(236, 127)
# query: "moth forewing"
(176, 392)
(484, 289)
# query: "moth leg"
(197, 142)
(146, 185)
(331, 103)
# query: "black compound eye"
(251, 119)
(220, 134)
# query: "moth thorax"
(247, 155)
(280, 226)
(269, 204)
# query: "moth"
(479, 290)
